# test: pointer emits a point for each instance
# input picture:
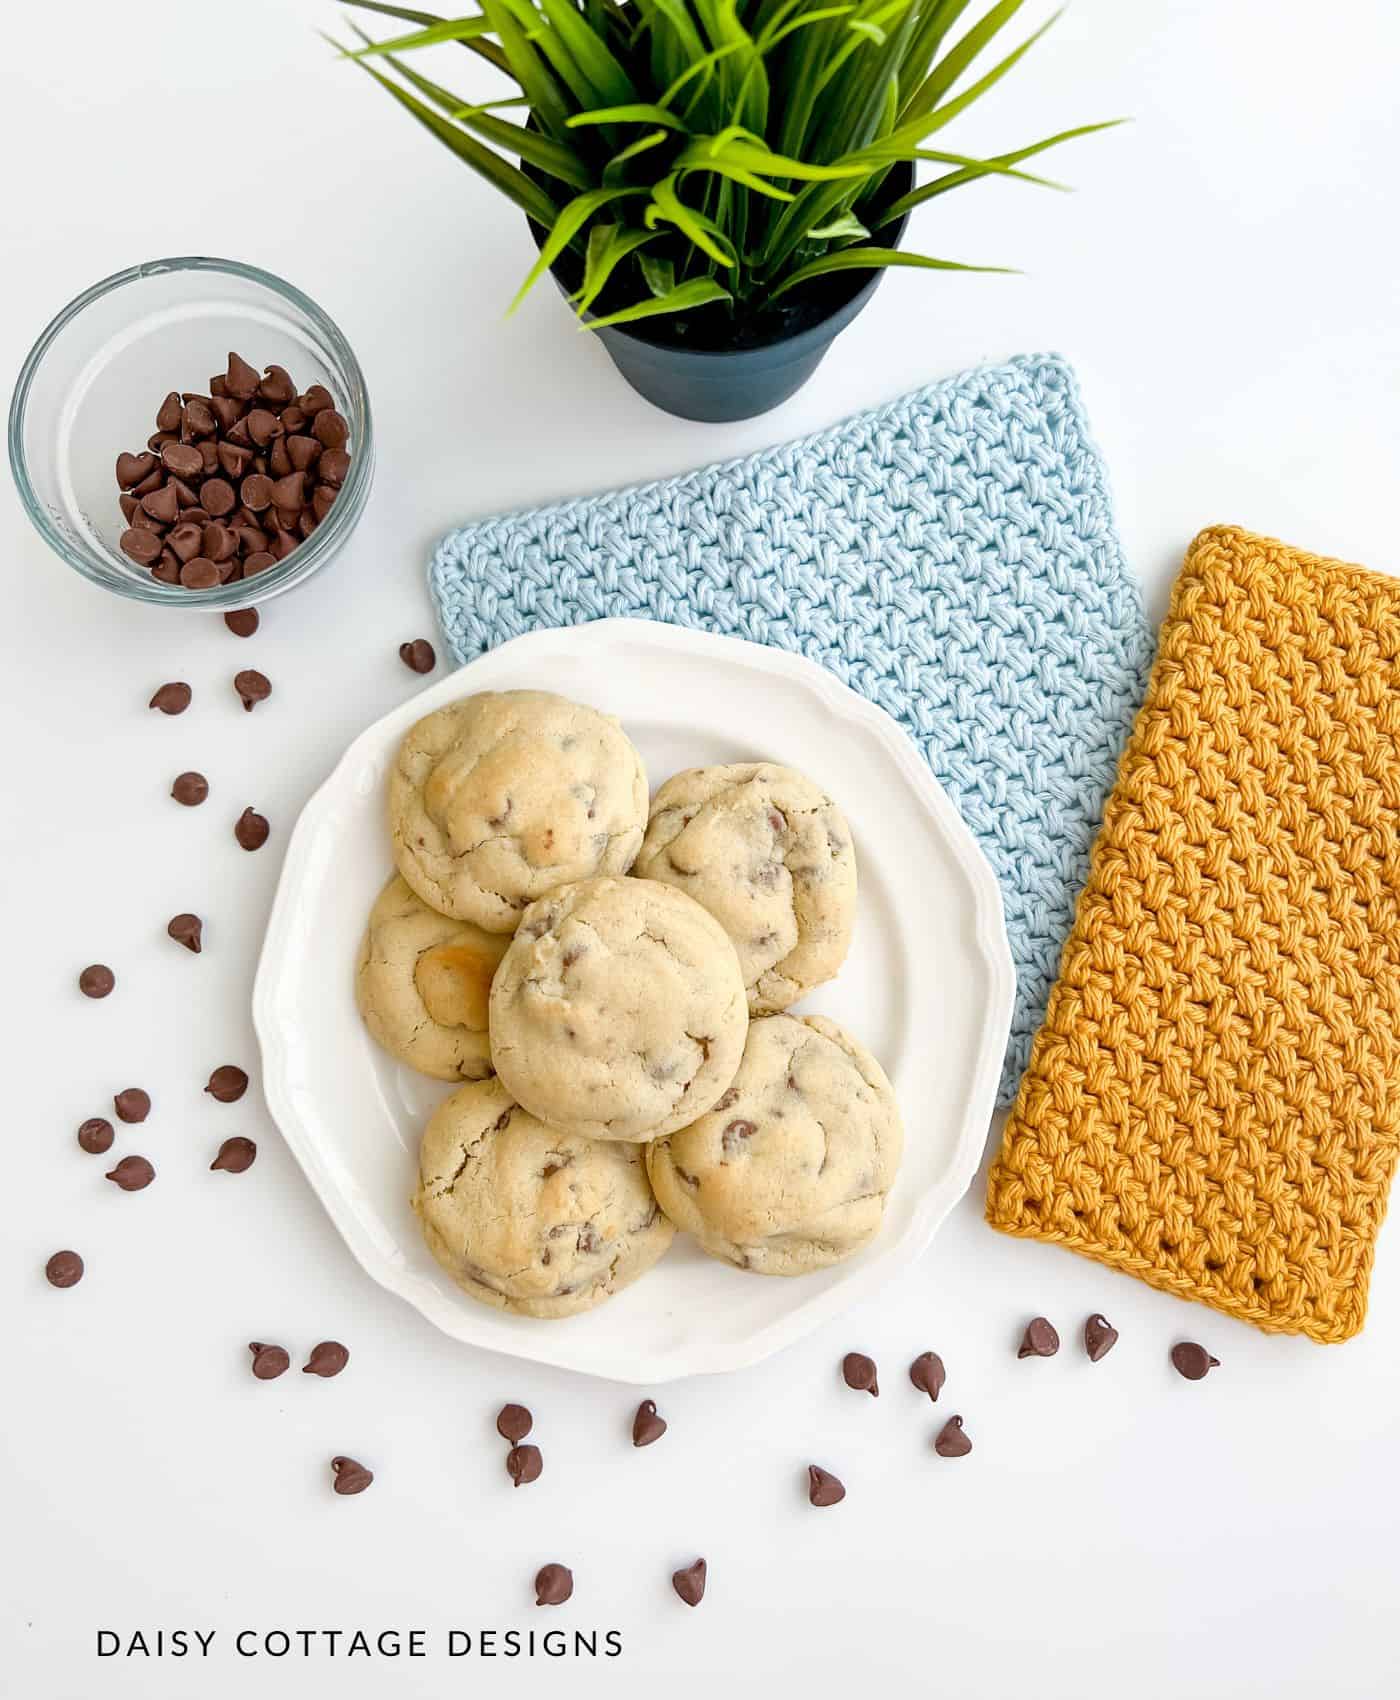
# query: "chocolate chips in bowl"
(231, 482)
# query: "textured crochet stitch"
(951, 556)
(1213, 1103)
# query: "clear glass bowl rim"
(309, 555)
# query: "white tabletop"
(1224, 281)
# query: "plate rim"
(933, 1209)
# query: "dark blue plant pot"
(717, 385)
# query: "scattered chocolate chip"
(690, 1582)
(327, 1358)
(252, 687)
(1100, 1337)
(858, 1372)
(190, 789)
(1192, 1361)
(952, 1442)
(187, 930)
(928, 1374)
(251, 829)
(173, 698)
(227, 1084)
(1039, 1341)
(419, 655)
(513, 1423)
(96, 1135)
(235, 1155)
(64, 1269)
(554, 1584)
(268, 1361)
(350, 1477)
(646, 1425)
(823, 1488)
(96, 980)
(524, 1464)
(133, 1105)
(132, 1173)
(242, 622)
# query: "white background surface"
(1225, 283)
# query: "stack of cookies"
(610, 982)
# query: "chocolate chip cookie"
(790, 1169)
(528, 1219)
(499, 798)
(423, 985)
(769, 855)
(618, 1012)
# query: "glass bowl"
(92, 383)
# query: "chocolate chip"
(258, 562)
(64, 1269)
(183, 460)
(350, 1477)
(140, 546)
(190, 789)
(186, 541)
(277, 387)
(242, 622)
(251, 830)
(646, 1425)
(132, 1173)
(327, 1358)
(1192, 1361)
(268, 1361)
(524, 1464)
(928, 1374)
(217, 497)
(133, 1105)
(329, 429)
(262, 426)
(233, 460)
(332, 467)
(288, 493)
(187, 930)
(96, 1135)
(167, 568)
(173, 698)
(279, 462)
(554, 1584)
(96, 980)
(322, 500)
(235, 1155)
(241, 380)
(256, 492)
(823, 1488)
(690, 1582)
(419, 655)
(1100, 1337)
(315, 400)
(858, 1372)
(227, 1084)
(162, 505)
(302, 451)
(252, 687)
(200, 574)
(513, 1423)
(171, 414)
(226, 410)
(1039, 1341)
(218, 543)
(135, 469)
(199, 416)
(152, 481)
(952, 1442)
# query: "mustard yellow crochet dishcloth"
(1213, 1102)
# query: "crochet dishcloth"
(1213, 1101)
(951, 556)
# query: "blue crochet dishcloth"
(950, 556)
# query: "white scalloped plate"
(928, 987)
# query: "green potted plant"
(715, 185)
